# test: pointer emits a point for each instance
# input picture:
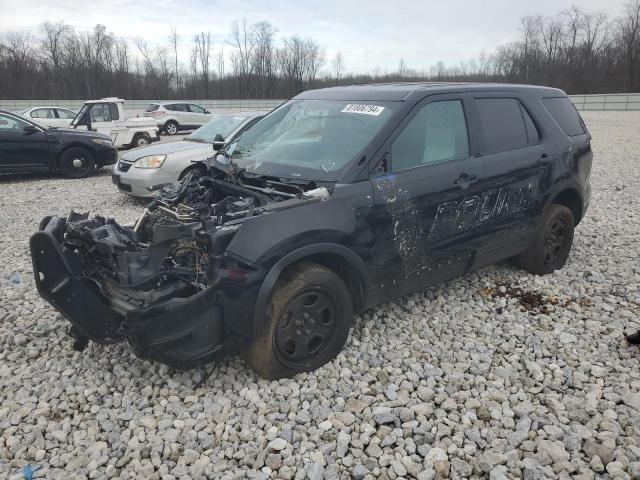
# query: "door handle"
(545, 159)
(464, 180)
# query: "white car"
(50, 116)
(171, 117)
(141, 171)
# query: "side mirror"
(207, 112)
(29, 129)
(218, 142)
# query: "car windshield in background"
(224, 125)
(152, 107)
(310, 139)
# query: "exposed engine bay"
(177, 246)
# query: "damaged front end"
(166, 284)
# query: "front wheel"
(551, 243)
(76, 162)
(307, 323)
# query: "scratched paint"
(407, 232)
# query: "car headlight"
(150, 161)
(102, 141)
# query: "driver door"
(19, 148)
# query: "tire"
(76, 162)
(171, 127)
(307, 323)
(141, 140)
(551, 244)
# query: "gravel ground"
(497, 374)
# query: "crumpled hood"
(200, 149)
(77, 131)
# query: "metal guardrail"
(136, 107)
(611, 101)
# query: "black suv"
(27, 146)
(338, 200)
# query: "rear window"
(502, 123)
(152, 107)
(565, 115)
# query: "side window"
(43, 113)
(437, 133)
(533, 134)
(65, 114)
(10, 123)
(196, 108)
(565, 115)
(100, 113)
(177, 107)
(502, 124)
(113, 111)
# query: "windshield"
(223, 124)
(310, 139)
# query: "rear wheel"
(171, 127)
(141, 139)
(76, 162)
(307, 323)
(551, 243)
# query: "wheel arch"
(84, 146)
(569, 196)
(341, 260)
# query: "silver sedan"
(141, 171)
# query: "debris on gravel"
(497, 374)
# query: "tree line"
(578, 51)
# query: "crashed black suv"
(338, 200)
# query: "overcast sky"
(369, 33)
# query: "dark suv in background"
(338, 200)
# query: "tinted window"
(66, 114)
(502, 124)
(196, 108)
(43, 113)
(533, 135)
(565, 115)
(152, 107)
(177, 107)
(437, 133)
(11, 123)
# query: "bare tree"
(174, 43)
(338, 65)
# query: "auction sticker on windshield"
(365, 109)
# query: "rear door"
(21, 149)
(426, 201)
(64, 117)
(180, 111)
(516, 154)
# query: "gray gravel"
(454, 381)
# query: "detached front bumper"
(182, 332)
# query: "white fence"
(613, 101)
